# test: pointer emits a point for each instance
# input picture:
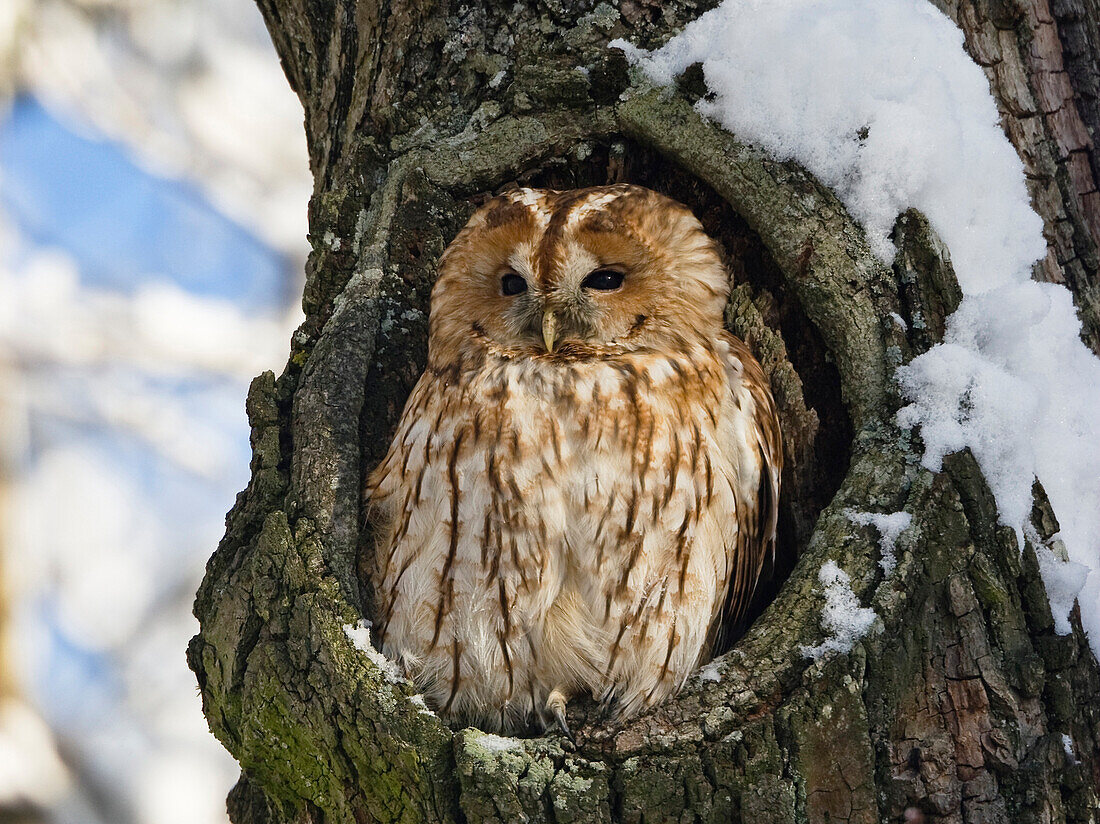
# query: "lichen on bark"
(954, 703)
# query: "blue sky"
(123, 225)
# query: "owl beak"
(549, 329)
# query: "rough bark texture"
(956, 705)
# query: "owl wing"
(762, 443)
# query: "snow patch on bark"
(880, 101)
(889, 526)
(1067, 745)
(710, 672)
(422, 705)
(1063, 580)
(843, 618)
(359, 635)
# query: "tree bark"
(959, 704)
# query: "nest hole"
(817, 428)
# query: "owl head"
(577, 274)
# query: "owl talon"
(608, 712)
(564, 727)
(555, 705)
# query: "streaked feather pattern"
(552, 522)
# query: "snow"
(421, 705)
(48, 314)
(1013, 381)
(889, 526)
(879, 100)
(359, 635)
(1064, 582)
(1067, 746)
(710, 672)
(843, 618)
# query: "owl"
(583, 484)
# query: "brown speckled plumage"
(574, 519)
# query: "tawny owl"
(584, 481)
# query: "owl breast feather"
(546, 527)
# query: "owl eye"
(604, 279)
(513, 284)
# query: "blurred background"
(153, 190)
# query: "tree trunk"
(962, 704)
